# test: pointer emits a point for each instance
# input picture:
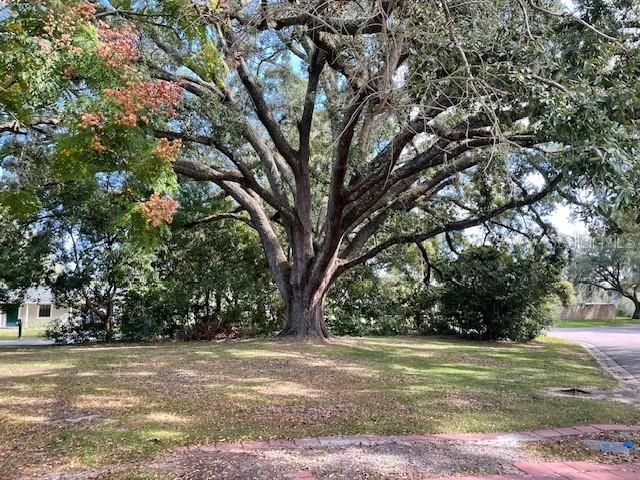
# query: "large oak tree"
(339, 129)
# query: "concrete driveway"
(25, 342)
(620, 344)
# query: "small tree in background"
(94, 258)
(23, 254)
(610, 263)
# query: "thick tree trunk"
(305, 318)
(636, 311)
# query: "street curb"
(609, 365)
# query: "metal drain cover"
(574, 391)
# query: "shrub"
(422, 307)
(75, 329)
(370, 325)
(491, 293)
(163, 310)
(361, 304)
(146, 315)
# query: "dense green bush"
(146, 314)
(75, 329)
(365, 303)
(491, 293)
(423, 307)
(207, 280)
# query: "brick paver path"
(560, 471)
(540, 471)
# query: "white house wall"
(28, 313)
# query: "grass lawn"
(11, 333)
(78, 407)
(617, 322)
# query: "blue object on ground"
(607, 446)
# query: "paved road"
(25, 342)
(621, 344)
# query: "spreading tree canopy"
(611, 264)
(338, 129)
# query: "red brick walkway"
(562, 471)
(541, 471)
(530, 471)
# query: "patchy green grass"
(11, 333)
(617, 322)
(79, 407)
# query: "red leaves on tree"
(158, 209)
(60, 25)
(118, 47)
(97, 145)
(139, 99)
(92, 119)
(168, 149)
(95, 121)
(84, 10)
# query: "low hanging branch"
(454, 226)
(217, 218)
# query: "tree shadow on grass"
(134, 400)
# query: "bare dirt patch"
(393, 461)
